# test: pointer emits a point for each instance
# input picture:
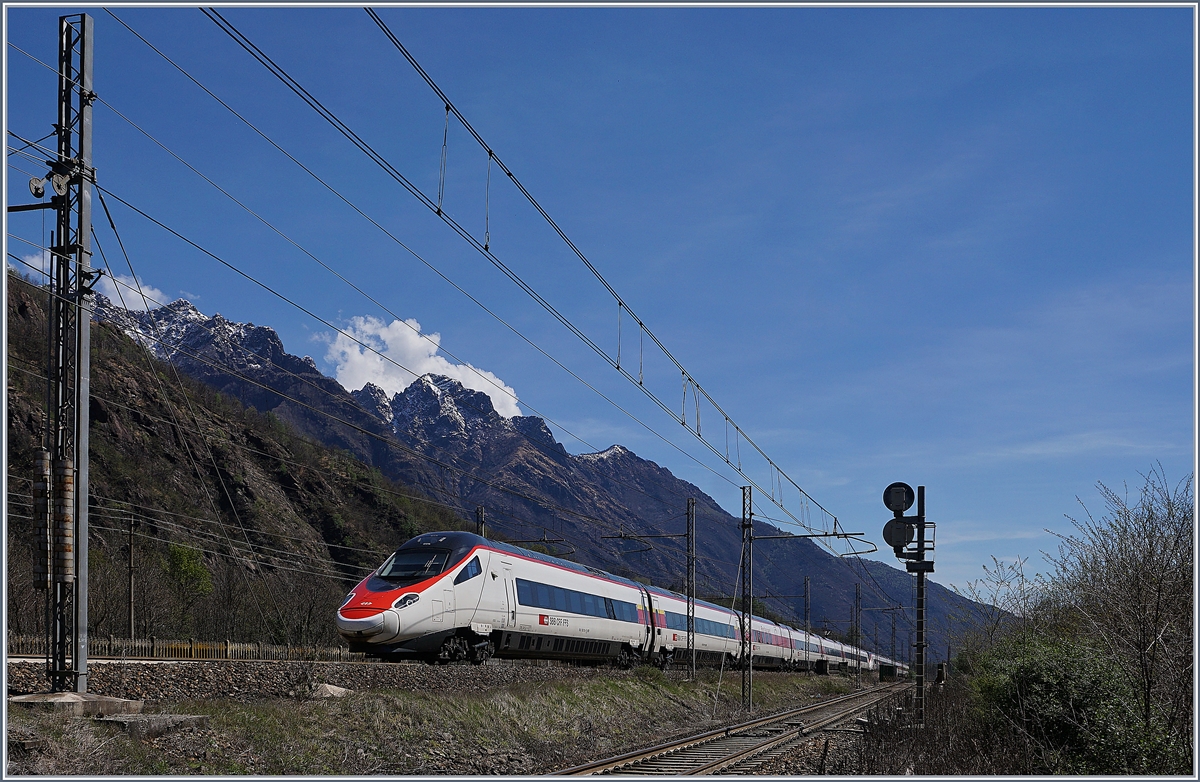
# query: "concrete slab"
(77, 704)
(329, 691)
(150, 725)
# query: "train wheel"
(454, 649)
(664, 662)
(626, 659)
(481, 653)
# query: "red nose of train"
(367, 623)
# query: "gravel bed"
(246, 680)
(834, 752)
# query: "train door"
(651, 642)
(510, 594)
(448, 607)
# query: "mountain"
(450, 442)
(249, 363)
(243, 529)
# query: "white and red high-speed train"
(445, 596)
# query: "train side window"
(626, 612)
(608, 608)
(560, 599)
(472, 569)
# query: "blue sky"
(947, 246)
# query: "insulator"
(64, 521)
(41, 517)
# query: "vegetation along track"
(737, 749)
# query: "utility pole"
(689, 576)
(893, 655)
(62, 466)
(131, 576)
(747, 601)
(807, 628)
(691, 582)
(857, 639)
(748, 538)
(480, 521)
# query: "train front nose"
(368, 624)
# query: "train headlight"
(346, 602)
(407, 600)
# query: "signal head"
(899, 497)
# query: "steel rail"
(697, 739)
(790, 736)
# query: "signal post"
(899, 533)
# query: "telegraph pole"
(857, 639)
(893, 637)
(689, 575)
(63, 464)
(748, 538)
(480, 521)
(691, 582)
(747, 601)
(807, 628)
(131, 576)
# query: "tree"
(1002, 600)
(189, 579)
(1126, 581)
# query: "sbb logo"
(543, 619)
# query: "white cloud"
(129, 295)
(39, 260)
(402, 342)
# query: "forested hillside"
(242, 529)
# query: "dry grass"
(523, 729)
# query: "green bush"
(1074, 704)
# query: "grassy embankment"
(522, 729)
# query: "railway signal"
(899, 533)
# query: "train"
(456, 596)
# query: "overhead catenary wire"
(166, 399)
(695, 388)
(583, 258)
(661, 551)
(412, 452)
(325, 113)
(430, 266)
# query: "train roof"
(672, 593)
(470, 540)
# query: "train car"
(717, 629)
(835, 653)
(806, 650)
(446, 596)
(769, 644)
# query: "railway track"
(737, 749)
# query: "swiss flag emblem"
(543, 619)
(674, 636)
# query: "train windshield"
(415, 564)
